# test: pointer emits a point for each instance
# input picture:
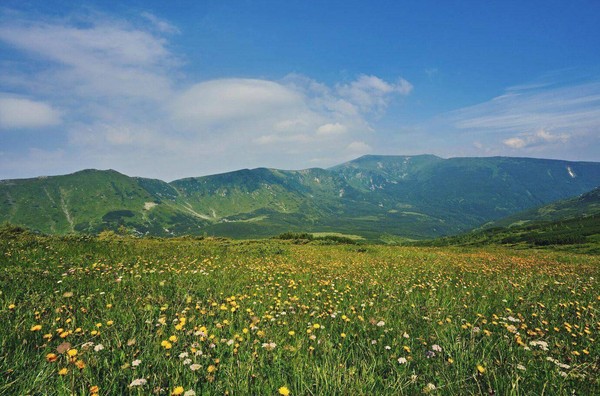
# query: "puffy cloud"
(331, 129)
(515, 142)
(358, 147)
(18, 113)
(539, 138)
(225, 101)
(370, 93)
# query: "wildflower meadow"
(124, 316)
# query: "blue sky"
(171, 89)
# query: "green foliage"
(303, 237)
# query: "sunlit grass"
(216, 317)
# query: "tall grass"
(222, 317)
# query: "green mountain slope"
(574, 221)
(90, 201)
(410, 196)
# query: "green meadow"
(125, 316)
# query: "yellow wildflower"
(284, 391)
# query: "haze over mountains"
(407, 196)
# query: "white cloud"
(515, 142)
(534, 107)
(370, 93)
(18, 113)
(553, 117)
(160, 24)
(331, 129)
(130, 107)
(219, 102)
(102, 58)
(539, 138)
(359, 147)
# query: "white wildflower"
(138, 382)
(269, 346)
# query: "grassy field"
(209, 317)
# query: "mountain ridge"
(417, 197)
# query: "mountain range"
(413, 197)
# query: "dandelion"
(292, 333)
(36, 327)
(12, 306)
(284, 391)
(480, 368)
(51, 357)
(178, 391)
(94, 389)
(72, 352)
(80, 364)
(63, 371)
(211, 369)
(138, 382)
